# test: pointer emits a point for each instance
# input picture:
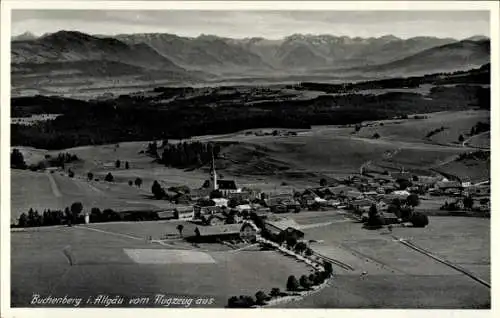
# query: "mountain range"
(160, 55)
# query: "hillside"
(451, 57)
(66, 53)
(50, 62)
(203, 52)
(293, 52)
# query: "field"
(102, 264)
(399, 277)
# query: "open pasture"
(399, 277)
(101, 265)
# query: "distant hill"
(166, 56)
(451, 57)
(295, 52)
(72, 51)
(24, 36)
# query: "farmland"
(101, 265)
(398, 277)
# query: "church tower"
(213, 173)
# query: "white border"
(8, 5)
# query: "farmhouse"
(288, 228)
(184, 212)
(449, 187)
(216, 233)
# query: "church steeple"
(213, 173)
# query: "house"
(362, 204)
(220, 201)
(199, 211)
(401, 193)
(390, 218)
(340, 190)
(402, 176)
(211, 234)
(203, 193)
(224, 232)
(287, 228)
(184, 212)
(448, 185)
(354, 195)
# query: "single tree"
(376, 136)
(292, 284)
(76, 209)
(300, 247)
(328, 268)
(71, 174)
(68, 216)
(275, 292)
(419, 220)
(260, 298)
(138, 182)
(157, 190)
(130, 183)
(232, 302)
(468, 202)
(118, 163)
(461, 138)
(127, 165)
(180, 227)
(109, 177)
(413, 200)
(304, 282)
(17, 160)
(308, 252)
(323, 182)
(23, 220)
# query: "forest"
(138, 118)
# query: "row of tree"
(305, 282)
(70, 215)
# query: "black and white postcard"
(247, 155)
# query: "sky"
(267, 24)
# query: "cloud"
(271, 24)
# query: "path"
(445, 262)
(53, 185)
(466, 141)
(110, 233)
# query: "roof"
(449, 184)
(184, 208)
(402, 175)
(362, 202)
(338, 189)
(226, 185)
(354, 194)
(283, 224)
(225, 229)
(388, 215)
(201, 192)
